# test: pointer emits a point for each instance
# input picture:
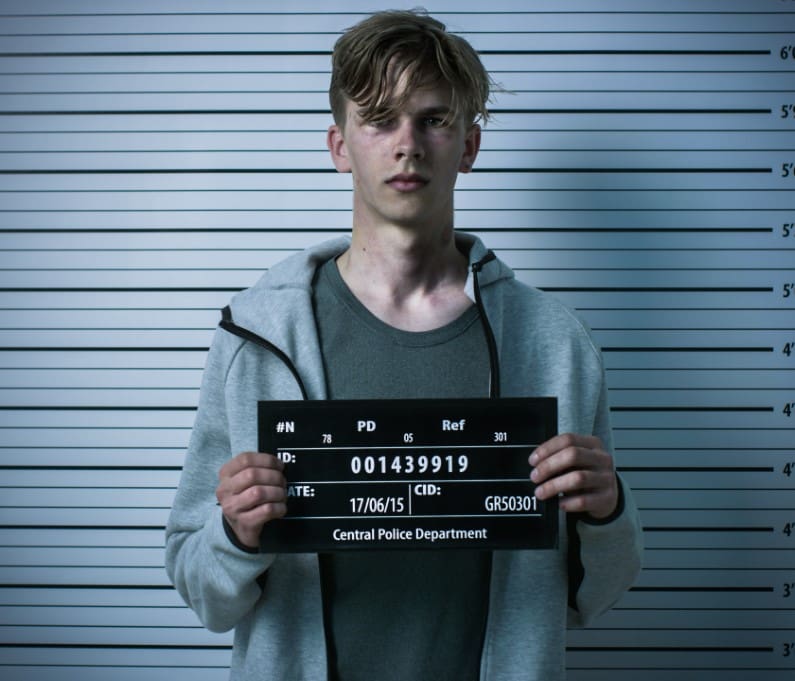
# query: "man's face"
(404, 168)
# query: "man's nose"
(408, 143)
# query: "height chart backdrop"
(157, 156)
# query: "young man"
(388, 313)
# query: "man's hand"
(578, 468)
(252, 491)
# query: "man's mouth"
(407, 182)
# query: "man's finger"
(250, 460)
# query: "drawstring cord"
(494, 365)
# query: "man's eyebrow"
(435, 110)
(431, 110)
(363, 112)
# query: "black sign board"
(379, 474)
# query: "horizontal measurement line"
(694, 429)
(785, 551)
(709, 529)
(641, 507)
(69, 587)
(138, 667)
(291, 151)
(311, 171)
(190, 230)
(693, 409)
(171, 171)
(696, 589)
(723, 329)
(514, 249)
(513, 13)
(144, 627)
(688, 349)
(651, 569)
(89, 468)
(696, 469)
(72, 407)
(109, 448)
(238, 33)
(117, 646)
(629, 52)
(669, 668)
(120, 289)
(668, 629)
(659, 289)
(523, 129)
(633, 111)
(326, 112)
(252, 91)
(496, 210)
(648, 409)
(100, 348)
(169, 112)
(525, 190)
(114, 528)
(258, 269)
(703, 448)
(223, 289)
(628, 308)
(327, 53)
(171, 53)
(681, 649)
(103, 348)
(267, 230)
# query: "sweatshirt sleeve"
(610, 558)
(216, 579)
(604, 556)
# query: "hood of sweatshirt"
(260, 310)
(278, 307)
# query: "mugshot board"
(157, 156)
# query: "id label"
(380, 474)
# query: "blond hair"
(410, 48)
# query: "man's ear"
(335, 142)
(471, 148)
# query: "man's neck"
(409, 281)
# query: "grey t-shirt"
(401, 614)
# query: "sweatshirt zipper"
(494, 391)
(227, 324)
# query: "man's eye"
(435, 122)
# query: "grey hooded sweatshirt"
(273, 601)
